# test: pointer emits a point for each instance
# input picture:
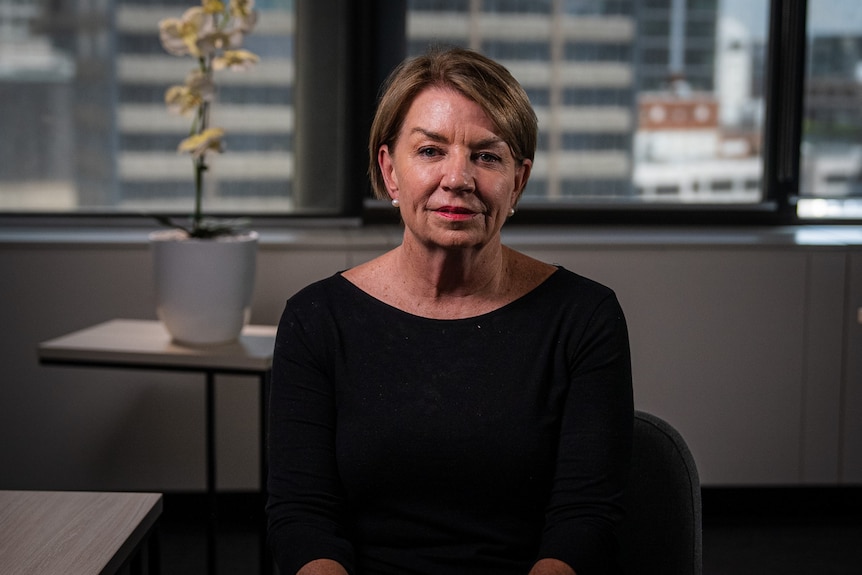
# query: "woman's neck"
(450, 284)
(447, 283)
(440, 274)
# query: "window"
(831, 164)
(85, 128)
(512, 50)
(650, 97)
(645, 106)
(596, 52)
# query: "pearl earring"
(395, 203)
(511, 212)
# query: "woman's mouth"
(455, 213)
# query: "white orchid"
(212, 33)
(235, 60)
(210, 140)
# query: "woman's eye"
(428, 152)
(488, 157)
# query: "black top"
(400, 444)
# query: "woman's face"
(453, 176)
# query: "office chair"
(661, 532)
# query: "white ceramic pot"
(203, 287)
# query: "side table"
(87, 533)
(146, 344)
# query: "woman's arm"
(595, 446)
(305, 492)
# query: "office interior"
(747, 338)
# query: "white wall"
(747, 341)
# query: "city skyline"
(586, 97)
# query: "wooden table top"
(72, 532)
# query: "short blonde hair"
(473, 75)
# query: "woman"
(452, 406)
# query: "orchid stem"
(200, 125)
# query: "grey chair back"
(662, 531)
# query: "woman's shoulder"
(553, 276)
(566, 291)
(565, 278)
(321, 293)
(525, 272)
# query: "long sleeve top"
(400, 444)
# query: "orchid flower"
(211, 33)
(235, 60)
(210, 140)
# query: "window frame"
(375, 40)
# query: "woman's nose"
(458, 174)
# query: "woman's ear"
(387, 169)
(522, 176)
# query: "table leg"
(154, 555)
(211, 472)
(265, 558)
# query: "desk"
(146, 344)
(78, 533)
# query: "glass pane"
(86, 129)
(653, 101)
(831, 169)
